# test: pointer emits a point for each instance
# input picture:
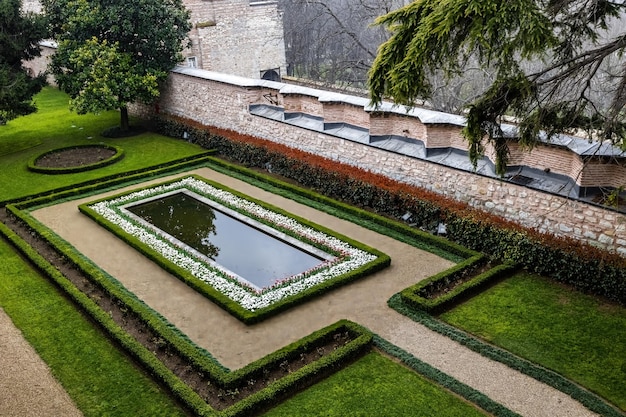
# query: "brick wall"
(445, 136)
(382, 124)
(299, 103)
(346, 113)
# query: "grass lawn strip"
(100, 379)
(533, 317)
(375, 386)
(54, 126)
(585, 397)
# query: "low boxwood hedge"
(440, 291)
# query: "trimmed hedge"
(202, 361)
(119, 154)
(418, 295)
(567, 260)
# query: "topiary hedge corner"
(447, 288)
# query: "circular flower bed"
(75, 158)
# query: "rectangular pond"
(231, 248)
(260, 255)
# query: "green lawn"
(54, 126)
(375, 386)
(99, 378)
(574, 334)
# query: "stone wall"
(239, 37)
(216, 100)
(224, 101)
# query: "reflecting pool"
(251, 253)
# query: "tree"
(114, 52)
(557, 65)
(20, 34)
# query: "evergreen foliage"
(19, 36)
(113, 52)
(558, 65)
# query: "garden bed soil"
(75, 157)
(215, 395)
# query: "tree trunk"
(124, 125)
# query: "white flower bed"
(349, 258)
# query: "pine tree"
(20, 34)
(559, 65)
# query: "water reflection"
(183, 217)
(250, 253)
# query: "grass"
(375, 386)
(574, 334)
(98, 377)
(54, 126)
(102, 381)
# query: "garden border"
(234, 308)
(176, 339)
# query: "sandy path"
(364, 302)
(27, 388)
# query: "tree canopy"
(114, 52)
(558, 65)
(20, 34)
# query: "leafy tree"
(114, 52)
(19, 36)
(558, 65)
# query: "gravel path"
(27, 388)
(364, 302)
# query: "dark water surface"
(254, 255)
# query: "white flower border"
(351, 258)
